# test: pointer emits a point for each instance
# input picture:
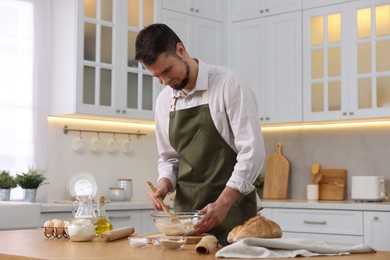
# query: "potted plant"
(30, 181)
(7, 182)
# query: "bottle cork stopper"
(102, 199)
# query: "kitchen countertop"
(31, 243)
(329, 205)
(66, 206)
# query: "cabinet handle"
(261, 118)
(351, 113)
(266, 10)
(191, 9)
(344, 113)
(323, 222)
(266, 118)
(124, 111)
(261, 11)
(120, 217)
(118, 111)
(196, 10)
(375, 218)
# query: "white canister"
(312, 192)
(116, 194)
(127, 185)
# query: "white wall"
(362, 150)
(65, 163)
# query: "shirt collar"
(202, 80)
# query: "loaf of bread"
(258, 227)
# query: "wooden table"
(32, 244)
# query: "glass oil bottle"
(101, 220)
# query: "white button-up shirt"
(233, 109)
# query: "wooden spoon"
(163, 205)
(315, 169)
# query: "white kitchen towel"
(286, 248)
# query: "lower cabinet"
(376, 229)
(125, 218)
(336, 227)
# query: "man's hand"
(214, 213)
(162, 189)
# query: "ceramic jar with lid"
(127, 185)
(116, 194)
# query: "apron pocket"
(202, 151)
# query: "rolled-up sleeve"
(241, 110)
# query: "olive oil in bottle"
(101, 221)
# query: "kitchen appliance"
(368, 188)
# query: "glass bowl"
(182, 223)
(172, 242)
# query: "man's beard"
(186, 79)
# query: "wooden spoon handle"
(163, 205)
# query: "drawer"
(341, 222)
(125, 218)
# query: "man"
(208, 134)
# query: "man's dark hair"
(153, 40)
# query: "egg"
(48, 225)
(59, 226)
(66, 224)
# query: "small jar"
(116, 194)
(81, 229)
(127, 185)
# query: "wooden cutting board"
(277, 169)
(333, 184)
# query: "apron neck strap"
(205, 100)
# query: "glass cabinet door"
(140, 89)
(326, 63)
(373, 56)
(98, 63)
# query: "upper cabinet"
(346, 61)
(266, 52)
(203, 38)
(94, 70)
(249, 9)
(210, 9)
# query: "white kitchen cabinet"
(307, 4)
(125, 218)
(376, 229)
(346, 68)
(210, 9)
(267, 53)
(93, 66)
(337, 227)
(148, 225)
(203, 38)
(249, 9)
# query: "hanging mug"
(112, 145)
(79, 144)
(128, 146)
(96, 145)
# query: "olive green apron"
(206, 164)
